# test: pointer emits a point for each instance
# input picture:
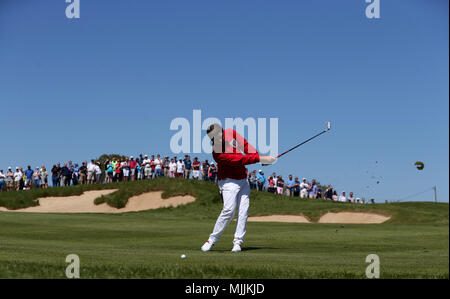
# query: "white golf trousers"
(236, 195)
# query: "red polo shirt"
(236, 153)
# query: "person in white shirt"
(98, 172)
(351, 198)
(180, 168)
(304, 188)
(172, 168)
(158, 169)
(91, 172)
(147, 164)
(17, 178)
(343, 198)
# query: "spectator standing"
(187, 167)
(125, 171)
(172, 168)
(261, 180)
(343, 198)
(44, 177)
(319, 192)
(212, 172)
(75, 174)
(271, 187)
(205, 167)
(55, 175)
(147, 164)
(109, 173)
(23, 178)
(2, 181)
(351, 198)
(275, 178)
(139, 171)
(296, 187)
(304, 188)
(335, 196)
(9, 179)
(98, 173)
(152, 166)
(166, 165)
(158, 166)
(312, 192)
(117, 173)
(91, 172)
(17, 178)
(180, 169)
(329, 193)
(290, 186)
(66, 175)
(37, 178)
(83, 173)
(29, 180)
(196, 169)
(252, 180)
(280, 185)
(132, 164)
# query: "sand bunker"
(341, 217)
(84, 203)
(353, 217)
(279, 218)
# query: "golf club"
(300, 144)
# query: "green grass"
(414, 243)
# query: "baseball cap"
(260, 170)
(304, 179)
(9, 167)
(131, 157)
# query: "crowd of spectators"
(144, 167)
(302, 189)
(111, 170)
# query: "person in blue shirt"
(313, 189)
(187, 166)
(29, 174)
(290, 186)
(261, 180)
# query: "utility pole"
(435, 193)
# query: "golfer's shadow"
(257, 248)
(247, 249)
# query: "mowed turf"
(413, 244)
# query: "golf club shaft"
(301, 143)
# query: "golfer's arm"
(243, 144)
(236, 159)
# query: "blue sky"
(112, 81)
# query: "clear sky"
(112, 81)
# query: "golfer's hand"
(267, 160)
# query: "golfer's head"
(214, 131)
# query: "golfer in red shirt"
(232, 153)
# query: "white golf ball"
(183, 256)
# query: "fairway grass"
(414, 243)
